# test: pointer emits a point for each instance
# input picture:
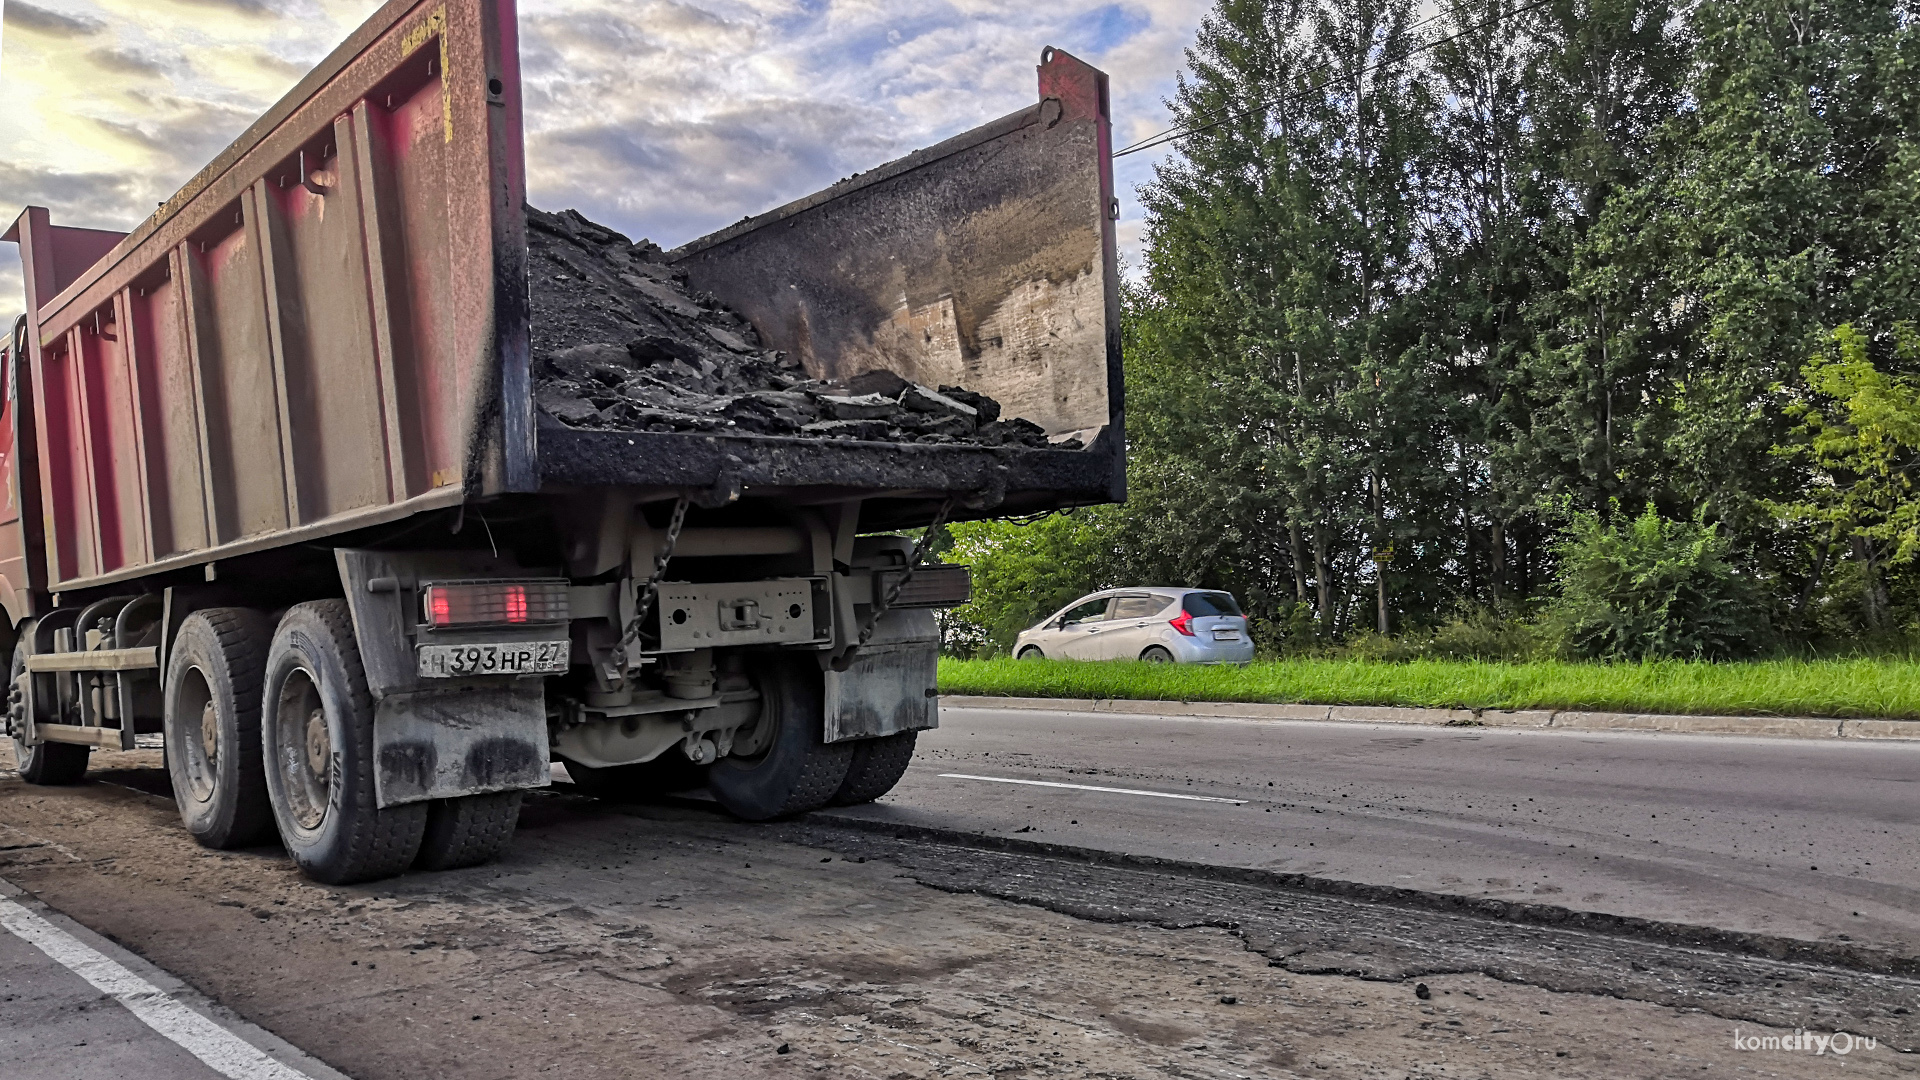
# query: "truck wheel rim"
(210, 734)
(201, 759)
(306, 750)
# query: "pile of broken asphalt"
(621, 343)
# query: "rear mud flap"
(468, 741)
(886, 690)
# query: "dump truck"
(278, 491)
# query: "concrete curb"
(1795, 727)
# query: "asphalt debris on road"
(621, 342)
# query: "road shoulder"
(1797, 727)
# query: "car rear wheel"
(469, 830)
(1157, 655)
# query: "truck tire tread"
(799, 771)
(469, 830)
(878, 764)
(235, 641)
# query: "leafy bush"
(1024, 571)
(1484, 633)
(1654, 589)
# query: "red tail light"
(481, 603)
(1183, 622)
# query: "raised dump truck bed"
(283, 435)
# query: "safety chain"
(893, 591)
(652, 588)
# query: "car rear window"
(1136, 607)
(1210, 603)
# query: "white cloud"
(663, 118)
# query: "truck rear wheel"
(793, 770)
(468, 831)
(317, 721)
(212, 724)
(877, 765)
(48, 764)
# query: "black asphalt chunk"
(621, 343)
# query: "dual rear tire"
(794, 770)
(274, 732)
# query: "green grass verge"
(1862, 688)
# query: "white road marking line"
(223, 1051)
(1090, 787)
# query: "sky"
(665, 119)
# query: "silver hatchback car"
(1187, 626)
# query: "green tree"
(1860, 436)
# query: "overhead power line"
(1173, 134)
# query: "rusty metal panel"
(69, 529)
(314, 334)
(113, 442)
(316, 268)
(170, 414)
(404, 168)
(987, 261)
(238, 389)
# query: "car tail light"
(1183, 622)
(494, 603)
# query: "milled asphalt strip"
(1090, 787)
(1740, 977)
(219, 1048)
(1849, 956)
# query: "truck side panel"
(169, 413)
(315, 335)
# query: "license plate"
(1226, 635)
(506, 658)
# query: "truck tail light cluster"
(937, 586)
(494, 603)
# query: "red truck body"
(281, 400)
(259, 362)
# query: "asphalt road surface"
(1812, 839)
(669, 940)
